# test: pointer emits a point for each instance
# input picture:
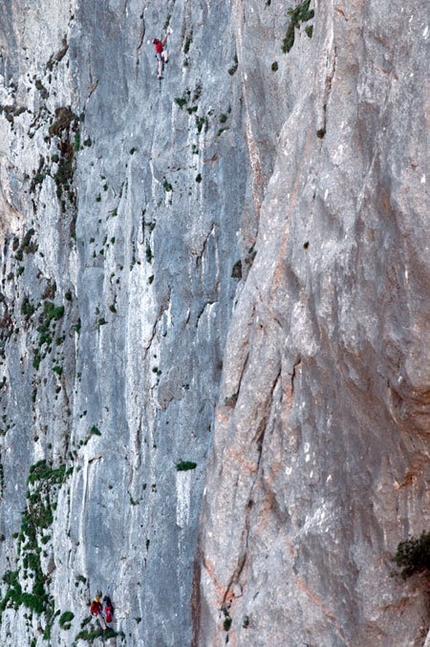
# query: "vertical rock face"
(120, 203)
(319, 465)
(256, 219)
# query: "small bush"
(27, 308)
(299, 14)
(27, 245)
(52, 312)
(227, 623)
(89, 636)
(413, 555)
(183, 466)
(65, 619)
(148, 253)
(180, 101)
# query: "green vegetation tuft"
(41, 471)
(65, 619)
(51, 314)
(184, 466)
(298, 15)
(27, 308)
(148, 253)
(200, 122)
(413, 555)
(42, 489)
(89, 635)
(66, 121)
(181, 101)
(27, 246)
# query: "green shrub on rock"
(413, 555)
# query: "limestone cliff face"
(256, 220)
(319, 465)
(120, 203)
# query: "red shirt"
(158, 45)
(95, 608)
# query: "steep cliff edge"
(255, 220)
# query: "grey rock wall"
(120, 209)
(227, 268)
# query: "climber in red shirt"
(96, 607)
(160, 53)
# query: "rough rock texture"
(320, 458)
(256, 220)
(119, 213)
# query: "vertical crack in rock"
(293, 374)
(258, 439)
